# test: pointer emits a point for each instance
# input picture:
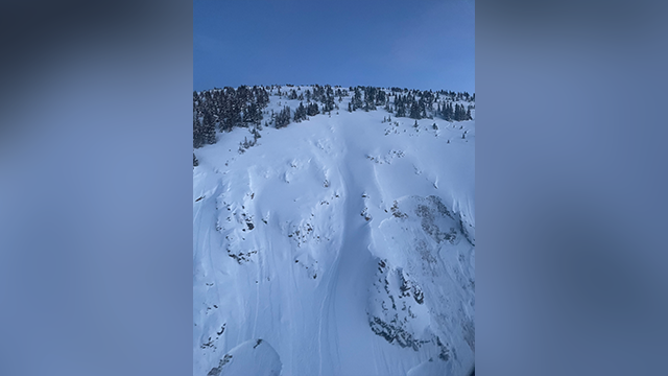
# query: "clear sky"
(420, 44)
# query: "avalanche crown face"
(341, 243)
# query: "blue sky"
(421, 44)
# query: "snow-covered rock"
(255, 357)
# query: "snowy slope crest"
(346, 242)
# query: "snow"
(308, 238)
(255, 357)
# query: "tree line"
(221, 110)
(224, 109)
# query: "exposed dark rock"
(444, 354)
(396, 212)
(393, 333)
(216, 370)
(259, 341)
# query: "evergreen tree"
(312, 109)
(198, 133)
(357, 99)
(423, 108)
(447, 112)
(208, 128)
(256, 134)
(415, 110)
(328, 103)
(283, 118)
(460, 113)
(300, 113)
(369, 98)
(400, 106)
(380, 98)
(234, 114)
(253, 115)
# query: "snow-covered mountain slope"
(345, 243)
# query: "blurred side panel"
(571, 188)
(95, 187)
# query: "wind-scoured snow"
(344, 243)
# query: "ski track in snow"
(321, 325)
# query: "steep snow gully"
(341, 245)
(354, 268)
